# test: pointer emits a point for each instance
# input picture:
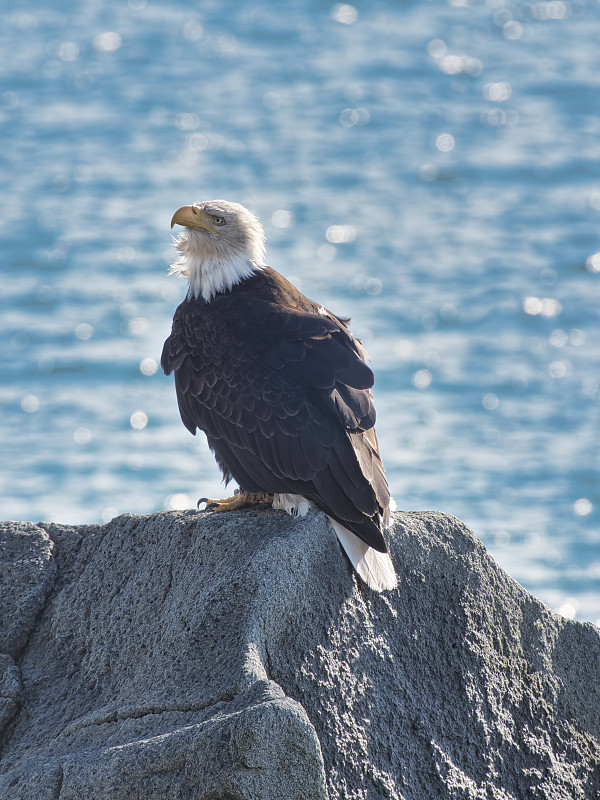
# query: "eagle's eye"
(218, 220)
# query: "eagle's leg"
(239, 500)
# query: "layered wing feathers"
(281, 390)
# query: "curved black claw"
(202, 500)
(211, 506)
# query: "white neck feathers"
(212, 267)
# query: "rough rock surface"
(184, 656)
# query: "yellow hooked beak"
(192, 217)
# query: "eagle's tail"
(375, 568)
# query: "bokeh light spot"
(281, 218)
(568, 608)
(448, 312)
(351, 117)
(67, 51)
(148, 366)
(340, 234)
(558, 369)
(30, 403)
(582, 507)
(197, 142)
(192, 30)
(126, 254)
(84, 331)
(593, 263)
(455, 65)
(178, 502)
(444, 142)
(344, 13)
(490, 402)
(546, 306)
(373, 286)
(137, 326)
(577, 337)
(497, 92)
(24, 21)
(82, 435)
(556, 9)
(403, 348)
(558, 338)
(186, 121)
(512, 30)
(422, 379)
(138, 420)
(436, 48)
(107, 42)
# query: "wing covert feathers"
(281, 389)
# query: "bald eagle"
(278, 384)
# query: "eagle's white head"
(222, 244)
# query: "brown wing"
(281, 390)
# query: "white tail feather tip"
(375, 568)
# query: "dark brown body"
(281, 390)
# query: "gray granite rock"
(27, 573)
(199, 657)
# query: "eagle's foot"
(239, 500)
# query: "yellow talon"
(239, 500)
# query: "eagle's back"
(281, 389)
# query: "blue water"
(431, 169)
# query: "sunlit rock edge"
(236, 656)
